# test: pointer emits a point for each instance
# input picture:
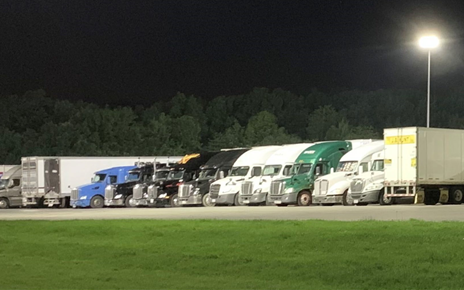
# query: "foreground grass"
(210, 254)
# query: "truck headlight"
(289, 190)
(162, 195)
(335, 191)
(83, 197)
(118, 196)
(227, 189)
(258, 190)
(197, 191)
(374, 186)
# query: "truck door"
(14, 192)
(52, 175)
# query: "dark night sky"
(140, 51)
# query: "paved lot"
(341, 213)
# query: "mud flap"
(419, 198)
(444, 194)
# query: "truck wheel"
(206, 200)
(4, 204)
(96, 202)
(383, 200)
(174, 200)
(128, 201)
(237, 201)
(431, 197)
(455, 195)
(304, 198)
(345, 200)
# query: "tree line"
(36, 124)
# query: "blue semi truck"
(93, 194)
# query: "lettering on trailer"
(413, 162)
(309, 152)
(404, 139)
(387, 161)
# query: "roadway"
(339, 213)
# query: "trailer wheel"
(174, 200)
(128, 201)
(237, 201)
(96, 202)
(304, 198)
(206, 200)
(383, 200)
(431, 196)
(455, 195)
(4, 204)
(346, 201)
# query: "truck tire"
(128, 200)
(174, 201)
(304, 198)
(345, 200)
(96, 202)
(237, 201)
(383, 200)
(4, 204)
(431, 197)
(206, 200)
(456, 195)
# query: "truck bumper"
(256, 198)
(289, 198)
(275, 199)
(225, 199)
(191, 200)
(29, 201)
(140, 202)
(80, 203)
(317, 199)
(368, 196)
(114, 202)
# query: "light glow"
(429, 42)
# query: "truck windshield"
(161, 174)
(133, 176)
(178, 174)
(239, 171)
(347, 166)
(3, 183)
(98, 178)
(377, 165)
(302, 168)
(272, 169)
(208, 173)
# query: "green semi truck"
(320, 159)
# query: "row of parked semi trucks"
(421, 164)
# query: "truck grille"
(324, 186)
(137, 192)
(152, 191)
(109, 192)
(357, 185)
(277, 188)
(214, 190)
(247, 188)
(185, 190)
(75, 194)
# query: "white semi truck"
(425, 163)
(333, 188)
(50, 180)
(254, 191)
(225, 191)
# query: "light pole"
(428, 42)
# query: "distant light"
(429, 42)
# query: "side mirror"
(10, 183)
(221, 174)
(360, 170)
(318, 171)
(331, 170)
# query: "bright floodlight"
(428, 42)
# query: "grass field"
(210, 254)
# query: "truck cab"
(333, 188)
(10, 188)
(186, 170)
(121, 194)
(93, 194)
(255, 190)
(318, 160)
(368, 187)
(225, 191)
(196, 192)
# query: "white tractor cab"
(225, 191)
(333, 188)
(254, 191)
(368, 187)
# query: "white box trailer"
(426, 163)
(49, 180)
